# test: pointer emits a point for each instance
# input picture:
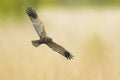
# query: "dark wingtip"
(31, 12)
(68, 55)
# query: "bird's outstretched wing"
(39, 27)
(60, 50)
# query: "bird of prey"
(44, 39)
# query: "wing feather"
(60, 50)
(39, 27)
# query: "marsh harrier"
(44, 39)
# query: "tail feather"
(36, 43)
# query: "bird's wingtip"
(68, 55)
(31, 12)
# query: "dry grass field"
(91, 35)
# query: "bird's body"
(44, 39)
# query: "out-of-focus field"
(91, 35)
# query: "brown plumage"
(44, 39)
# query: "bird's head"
(49, 39)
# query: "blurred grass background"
(16, 8)
(89, 29)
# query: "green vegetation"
(95, 48)
(15, 7)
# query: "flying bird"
(44, 39)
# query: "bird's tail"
(36, 43)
